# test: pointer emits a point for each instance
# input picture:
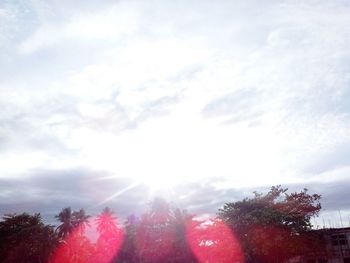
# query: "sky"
(200, 102)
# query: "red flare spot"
(78, 247)
(108, 246)
(213, 242)
(155, 238)
(75, 248)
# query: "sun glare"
(160, 155)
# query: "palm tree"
(67, 222)
(110, 238)
(80, 219)
(71, 221)
(74, 245)
(106, 222)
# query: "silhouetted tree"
(25, 238)
(74, 246)
(158, 236)
(155, 233)
(67, 222)
(271, 226)
(128, 250)
(182, 251)
(80, 219)
(71, 220)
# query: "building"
(336, 247)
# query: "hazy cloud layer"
(181, 93)
(48, 191)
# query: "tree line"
(271, 227)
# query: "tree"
(128, 250)
(106, 222)
(74, 246)
(182, 250)
(271, 227)
(25, 238)
(158, 236)
(155, 233)
(76, 220)
(80, 219)
(66, 219)
(111, 236)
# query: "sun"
(168, 152)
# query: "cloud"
(111, 116)
(35, 124)
(108, 23)
(330, 160)
(205, 197)
(241, 105)
(48, 191)
(89, 84)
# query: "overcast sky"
(114, 102)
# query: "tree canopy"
(272, 225)
(25, 238)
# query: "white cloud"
(254, 92)
(110, 24)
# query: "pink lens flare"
(155, 239)
(213, 242)
(77, 246)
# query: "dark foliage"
(270, 227)
(25, 238)
(273, 227)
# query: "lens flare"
(110, 239)
(213, 242)
(77, 246)
(154, 238)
